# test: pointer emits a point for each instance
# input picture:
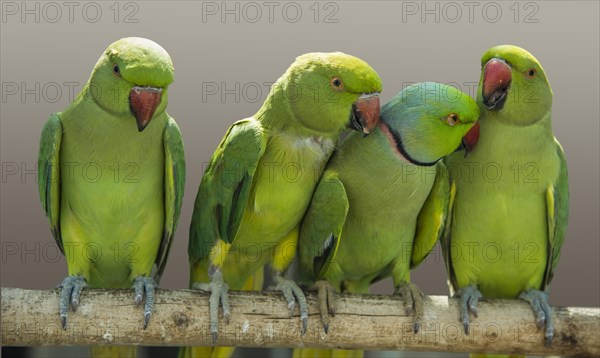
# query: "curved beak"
(142, 104)
(469, 141)
(497, 76)
(364, 116)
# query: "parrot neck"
(276, 116)
(514, 141)
(395, 141)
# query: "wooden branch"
(260, 319)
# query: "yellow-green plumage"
(260, 179)
(376, 213)
(113, 194)
(510, 209)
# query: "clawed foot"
(469, 296)
(413, 299)
(145, 284)
(326, 299)
(292, 292)
(218, 293)
(71, 288)
(542, 310)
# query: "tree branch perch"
(260, 319)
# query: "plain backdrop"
(227, 53)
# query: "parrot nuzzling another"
(382, 202)
(261, 177)
(507, 225)
(111, 177)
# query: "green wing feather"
(557, 204)
(49, 174)
(225, 187)
(432, 217)
(174, 184)
(321, 228)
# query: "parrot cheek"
(142, 104)
(497, 77)
(365, 113)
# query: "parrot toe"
(327, 303)
(145, 285)
(218, 294)
(414, 300)
(70, 290)
(542, 310)
(292, 293)
(469, 296)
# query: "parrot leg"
(469, 296)
(218, 293)
(292, 292)
(145, 284)
(414, 300)
(542, 310)
(71, 288)
(326, 299)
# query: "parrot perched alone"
(111, 175)
(510, 197)
(381, 204)
(260, 179)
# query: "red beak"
(365, 113)
(469, 141)
(497, 76)
(142, 103)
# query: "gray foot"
(469, 296)
(327, 304)
(71, 288)
(141, 285)
(218, 293)
(542, 310)
(292, 292)
(414, 300)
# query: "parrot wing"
(225, 187)
(321, 228)
(431, 221)
(557, 206)
(174, 183)
(49, 174)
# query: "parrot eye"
(452, 119)
(116, 70)
(337, 84)
(530, 73)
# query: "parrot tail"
(253, 283)
(113, 352)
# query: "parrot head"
(131, 78)
(513, 86)
(328, 92)
(428, 121)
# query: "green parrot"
(261, 177)
(381, 204)
(111, 172)
(510, 197)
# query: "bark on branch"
(260, 319)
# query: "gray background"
(51, 51)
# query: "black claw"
(63, 322)
(326, 328)
(215, 335)
(304, 325)
(146, 319)
(466, 325)
(417, 327)
(549, 341)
